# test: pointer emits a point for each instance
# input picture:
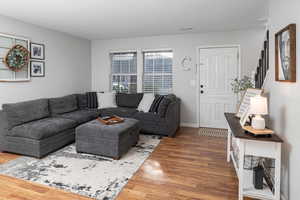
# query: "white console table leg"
(277, 171)
(228, 144)
(241, 168)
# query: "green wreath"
(17, 58)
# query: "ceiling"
(106, 19)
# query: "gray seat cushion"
(81, 116)
(63, 104)
(42, 128)
(147, 116)
(23, 112)
(119, 111)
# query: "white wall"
(67, 64)
(182, 45)
(285, 99)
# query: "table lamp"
(258, 107)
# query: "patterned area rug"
(89, 175)
(213, 132)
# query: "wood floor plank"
(187, 167)
(5, 157)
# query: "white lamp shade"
(258, 105)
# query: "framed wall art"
(37, 69)
(14, 58)
(285, 54)
(37, 51)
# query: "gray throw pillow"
(82, 101)
(172, 97)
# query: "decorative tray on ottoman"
(109, 120)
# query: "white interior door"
(217, 68)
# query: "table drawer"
(263, 149)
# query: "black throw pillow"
(92, 100)
(129, 100)
(155, 103)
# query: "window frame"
(162, 73)
(111, 54)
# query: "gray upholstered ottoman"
(113, 141)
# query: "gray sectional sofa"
(38, 127)
(41, 126)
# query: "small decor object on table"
(285, 54)
(37, 69)
(37, 51)
(258, 132)
(245, 117)
(245, 101)
(240, 86)
(17, 58)
(110, 120)
(258, 107)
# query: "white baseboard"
(192, 125)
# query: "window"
(124, 72)
(158, 72)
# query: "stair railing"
(263, 64)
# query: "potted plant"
(239, 86)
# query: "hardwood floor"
(188, 167)
(16, 189)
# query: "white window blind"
(124, 72)
(158, 72)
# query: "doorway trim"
(198, 48)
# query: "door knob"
(201, 86)
(201, 91)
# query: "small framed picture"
(37, 51)
(245, 116)
(37, 69)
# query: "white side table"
(245, 144)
